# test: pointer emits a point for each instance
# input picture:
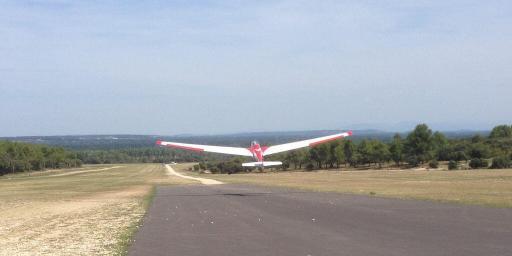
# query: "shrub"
(310, 166)
(196, 167)
(433, 164)
(476, 163)
(452, 165)
(214, 170)
(413, 160)
(500, 162)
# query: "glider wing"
(206, 148)
(304, 143)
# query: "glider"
(256, 151)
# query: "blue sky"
(171, 67)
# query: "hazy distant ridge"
(115, 141)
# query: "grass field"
(95, 210)
(480, 187)
(89, 211)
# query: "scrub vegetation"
(20, 157)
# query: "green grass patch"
(127, 236)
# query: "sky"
(212, 67)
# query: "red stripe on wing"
(185, 147)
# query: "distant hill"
(238, 139)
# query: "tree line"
(422, 146)
(19, 157)
(137, 155)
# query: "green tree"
(419, 144)
(479, 150)
(396, 149)
(500, 162)
(323, 154)
(340, 155)
(501, 131)
(380, 152)
(349, 150)
(18, 157)
(292, 157)
(303, 156)
(365, 150)
(332, 158)
(440, 145)
(476, 163)
(452, 165)
(315, 156)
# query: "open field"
(87, 211)
(480, 187)
(95, 209)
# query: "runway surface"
(250, 220)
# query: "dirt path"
(171, 171)
(84, 171)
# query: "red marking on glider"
(185, 147)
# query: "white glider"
(256, 151)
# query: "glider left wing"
(206, 148)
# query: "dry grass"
(85, 212)
(481, 187)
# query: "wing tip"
(349, 133)
(158, 143)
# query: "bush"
(452, 165)
(433, 164)
(476, 163)
(413, 160)
(214, 170)
(310, 166)
(500, 162)
(196, 167)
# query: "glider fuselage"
(257, 151)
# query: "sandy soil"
(86, 213)
(84, 171)
(87, 226)
(171, 171)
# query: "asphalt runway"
(250, 220)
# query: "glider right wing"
(304, 143)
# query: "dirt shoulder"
(86, 213)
